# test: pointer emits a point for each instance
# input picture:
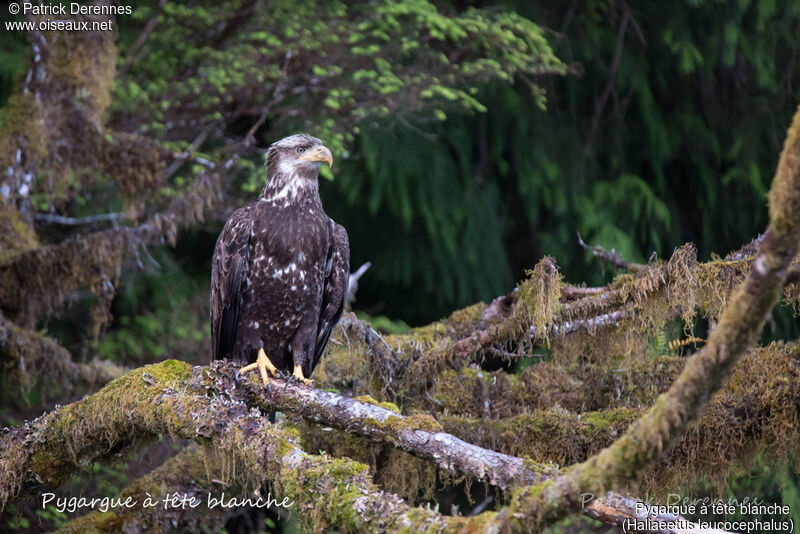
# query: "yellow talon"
(263, 364)
(298, 375)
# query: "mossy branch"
(617, 510)
(170, 398)
(419, 435)
(207, 405)
(739, 326)
(50, 272)
(682, 284)
(28, 358)
(611, 256)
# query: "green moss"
(395, 471)
(540, 467)
(395, 425)
(428, 333)
(16, 236)
(460, 323)
(386, 405)
(324, 491)
(545, 436)
(20, 117)
(169, 371)
(604, 420)
(539, 296)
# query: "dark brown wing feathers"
(337, 278)
(228, 273)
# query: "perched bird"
(280, 269)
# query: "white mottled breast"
(289, 246)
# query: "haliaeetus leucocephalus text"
(280, 269)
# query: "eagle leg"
(263, 364)
(298, 375)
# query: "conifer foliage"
(122, 153)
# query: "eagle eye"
(300, 149)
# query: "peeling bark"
(419, 435)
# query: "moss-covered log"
(207, 405)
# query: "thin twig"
(611, 257)
(576, 292)
(612, 72)
(182, 157)
(78, 221)
(148, 29)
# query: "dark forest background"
(663, 131)
(664, 128)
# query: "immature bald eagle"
(280, 269)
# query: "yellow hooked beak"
(320, 153)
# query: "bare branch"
(137, 45)
(575, 292)
(352, 286)
(78, 221)
(611, 256)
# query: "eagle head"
(293, 165)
